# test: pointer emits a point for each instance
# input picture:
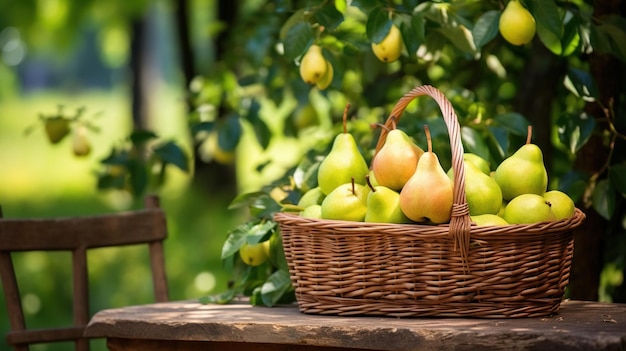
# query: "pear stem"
(367, 179)
(345, 118)
(428, 138)
(529, 135)
(353, 187)
(379, 125)
(394, 121)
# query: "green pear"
(312, 197)
(428, 196)
(396, 160)
(528, 209)
(343, 162)
(562, 205)
(482, 193)
(488, 219)
(313, 211)
(477, 161)
(346, 202)
(523, 172)
(313, 65)
(372, 178)
(383, 205)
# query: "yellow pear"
(346, 202)
(428, 195)
(562, 205)
(396, 160)
(488, 219)
(383, 205)
(481, 191)
(390, 48)
(528, 209)
(313, 65)
(325, 81)
(517, 25)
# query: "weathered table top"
(191, 325)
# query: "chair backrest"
(77, 235)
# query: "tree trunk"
(590, 238)
(542, 77)
(218, 180)
(137, 67)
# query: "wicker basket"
(411, 270)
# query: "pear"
(528, 209)
(312, 197)
(313, 211)
(482, 193)
(390, 48)
(80, 143)
(343, 162)
(488, 219)
(346, 202)
(428, 194)
(313, 65)
(562, 205)
(396, 160)
(383, 205)
(523, 172)
(325, 81)
(517, 25)
(477, 161)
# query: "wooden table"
(189, 325)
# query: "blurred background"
(198, 101)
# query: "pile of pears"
(406, 184)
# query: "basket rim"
(538, 229)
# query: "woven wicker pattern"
(355, 268)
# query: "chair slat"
(78, 235)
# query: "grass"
(38, 179)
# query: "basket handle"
(460, 222)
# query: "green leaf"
(305, 174)
(236, 238)
(499, 141)
(617, 175)
(140, 137)
(221, 298)
(138, 177)
(259, 231)
(580, 83)
(261, 130)
(206, 126)
(474, 142)
(575, 130)
(378, 25)
(329, 17)
(617, 37)
(486, 28)
(365, 5)
(297, 39)
(171, 153)
(229, 132)
(549, 24)
(296, 18)
(603, 199)
(460, 37)
(570, 40)
(275, 286)
(413, 34)
(514, 122)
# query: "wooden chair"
(78, 235)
